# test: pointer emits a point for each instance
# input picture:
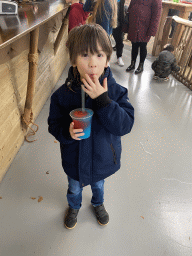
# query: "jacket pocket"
(114, 153)
(70, 154)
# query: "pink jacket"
(144, 17)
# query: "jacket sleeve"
(155, 17)
(174, 66)
(118, 115)
(59, 122)
(154, 64)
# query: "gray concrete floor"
(149, 199)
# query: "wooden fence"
(182, 41)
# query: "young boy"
(77, 16)
(89, 161)
(165, 63)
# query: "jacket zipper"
(114, 154)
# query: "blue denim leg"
(74, 194)
(98, 193)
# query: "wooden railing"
(182, 42)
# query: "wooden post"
(61, 32)
(33, 60)
(176, 35)
(184, 10)
(166, 32)
(156, 46)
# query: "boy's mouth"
(91, 76)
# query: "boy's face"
(91, 64)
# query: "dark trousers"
(118, 36)
(142, 46)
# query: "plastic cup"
(82, 120)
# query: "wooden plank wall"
(13, 84)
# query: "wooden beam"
(166, 32)
(33, 61)
(61, 32)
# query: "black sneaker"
(71, 218)
(102, 215)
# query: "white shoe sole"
(122, 65)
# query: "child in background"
(77, 16)
(89, 161)
(165, 63)
(104, 13)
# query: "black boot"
(71, 218)
(102, 215)
(131, 67)
(139, 69)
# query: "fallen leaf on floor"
(40, 199)
(47, 172)
(55, 141)
(33, 198)
(0, 197)
(142, 217)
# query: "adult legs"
(143, 54)
(143, 51)
(134, 54)
(134, 51)
(118, 36)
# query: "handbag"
(125, 26)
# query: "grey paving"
(149, 199)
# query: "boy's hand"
(73, 132)
(92, 87)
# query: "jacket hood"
(78, 7)
(75, 86)
(166, 56)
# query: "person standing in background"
(144, 17)
(104, 13)
(118, 33)
(77, 16)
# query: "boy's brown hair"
(86, 38)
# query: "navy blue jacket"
(96, 158)
(105, 20)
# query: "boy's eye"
(100, 55)
(84, 54)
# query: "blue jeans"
(74, 193)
